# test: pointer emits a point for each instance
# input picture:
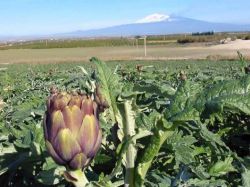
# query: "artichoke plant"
(71, 127)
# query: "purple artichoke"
(71, 127)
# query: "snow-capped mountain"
(154, 18)
(158, 24)
(155, 24)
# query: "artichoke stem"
(129, 131)
(76, 177)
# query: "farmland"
(165, 40)
(154, 52)
(166, 47)
(191, 121)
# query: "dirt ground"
(214, 52)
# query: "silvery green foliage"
(187, 132)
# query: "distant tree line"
(203, 33)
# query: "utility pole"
(136, 41)
(145, 43)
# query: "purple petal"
(78, 162)
(66, 144)
(87, 106)
(76, 100)
(97, 144)
(96, 112)
(53, 154)
(59, 101)
(54, 124)
(73, 118)
(88, 133)
(45, 129)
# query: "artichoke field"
(133, 124)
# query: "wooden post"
(145, 46)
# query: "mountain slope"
(155, 24)
(173, 25)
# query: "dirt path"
(222, 51)
(236, 45)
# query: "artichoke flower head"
(71, 128)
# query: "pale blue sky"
(31, 17)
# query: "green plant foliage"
(178, 132)
(222, 167)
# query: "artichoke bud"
(71, 128)
(247, 69)
(53, 90)
(100, 100)
(183, 75)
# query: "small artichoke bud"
(100, 100)
(247, 69)
(139, 68)
(71, 128)
(183, 75)
(53, 90)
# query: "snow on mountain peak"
(153, 18)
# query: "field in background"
(165, 40)
(168, 47)
(57, 55)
